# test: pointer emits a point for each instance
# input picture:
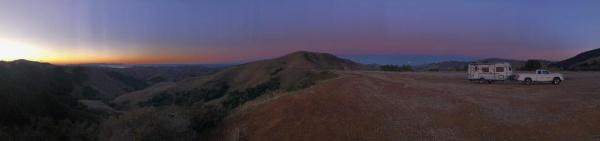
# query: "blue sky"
(375, 31)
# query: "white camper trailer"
(489, 72)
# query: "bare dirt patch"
(435, 106)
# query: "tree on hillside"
(396, 68)
(531, 65)
(464, 68)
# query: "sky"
(238, 31)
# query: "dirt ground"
(422, 106)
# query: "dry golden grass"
(424, 106)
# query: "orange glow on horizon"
(119, 60)
(15, 49)
(142, 59)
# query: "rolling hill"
(235, 85)
(589, 60)
(102, 83)
(30, 90)
(157, 74)
(42, 101)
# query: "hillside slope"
(101, 83)
(30, 90)
(588, 60)
(291, 72)
(157, 74)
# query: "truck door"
(538, 76)
(546, 76)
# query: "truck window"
(545, 72)
(509, 69)
(539, 72)
(499, 69)
(485, 69)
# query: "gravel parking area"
(426, 106)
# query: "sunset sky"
(236, 31)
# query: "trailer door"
(473, 72)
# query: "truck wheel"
(527, 81)
(481, 81)
(556, 81)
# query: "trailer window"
(485, 69)
(499, 69)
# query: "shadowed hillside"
(102, 83)
(589, 60)
(157, 74)
(36, 104)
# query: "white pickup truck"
(540, 76)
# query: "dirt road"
(429, 106)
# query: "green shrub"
(395, 68)
(276, 71)
(50, 129)
(237, 98)
(206, 117)
(183, 98)
(531, 65)
(149, 124)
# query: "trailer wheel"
(481, 80)
(556, 81)
(527, 81)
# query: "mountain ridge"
(293, 71)
(588, 60)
